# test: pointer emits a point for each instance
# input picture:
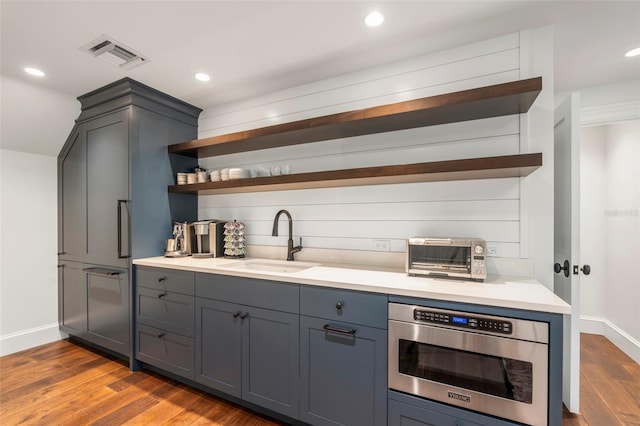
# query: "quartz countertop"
(508, 292)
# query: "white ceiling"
(252, 47)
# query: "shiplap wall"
(352, 218)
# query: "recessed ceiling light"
(34, 71)
(202, 76)
(373, 19)
(633, 52)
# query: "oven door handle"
(332, 329)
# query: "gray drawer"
(248, 291)
(166, 310)
(165, 279)
(169, 351)
(344, 306)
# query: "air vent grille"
(114, 52)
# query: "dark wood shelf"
(491, 101)
(474, 168)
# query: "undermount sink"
(272, 266)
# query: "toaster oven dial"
(479, 249)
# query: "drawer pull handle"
(162, 279)
(333, 329)
(244, 316)
(339, 306)
(160, 336)
(161, 295)
(236, 314)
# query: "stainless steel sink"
(280, 266)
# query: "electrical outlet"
(381, 245)
(492, 250)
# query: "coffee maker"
(206, 238)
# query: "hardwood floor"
(63, 383)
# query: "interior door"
(566, 283)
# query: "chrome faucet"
(290, 248)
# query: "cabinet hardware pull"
(120, 255)
(61, 253)
(101, 271)
(339, 305)
(161, 279)
(350, 331)
(236, 314)
(60, 266)
(160, 336)
(244, 316)
(161, 295)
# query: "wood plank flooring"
(63, 383)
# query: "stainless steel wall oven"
(493, 365)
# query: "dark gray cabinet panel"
(72, 198)
(343, 376)
(248, 291)
(113, 172)
(166, 310)
(108, 309)
(401, 414)
(166, 279)
(270, 348)
(72, 298)
(248, 352)
(343, 305)
(169, 351)
(219, 345)
(107, 146)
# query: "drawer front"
(344, 306)
(169, 351)
(249, 291)
(169, 311)
(165, 279)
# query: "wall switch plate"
(381, 245)
(492, 250)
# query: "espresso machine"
(177, 246)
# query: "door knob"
(564, 267)
(586, 269)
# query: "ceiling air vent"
(114, 52)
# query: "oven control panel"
(464, 321)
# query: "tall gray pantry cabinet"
(113, 204)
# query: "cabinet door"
(219, 345)
(108, 308)
(344, 375)
(401, 414)
(270, 359)
(72, 198)
(107, 145)
(72, 299)
(165, 310)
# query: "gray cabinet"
(72, 298)
(113, 172)
(165, 312)
(248, 351)
(401, 414)
(343, 365)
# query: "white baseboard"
(21, 340)
(617, 336)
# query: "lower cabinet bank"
(302, 354)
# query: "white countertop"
(517, 293)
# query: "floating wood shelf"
(473, 168)
(491, 101)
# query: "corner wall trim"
(617, 336)
(603, 114)
(25, 339)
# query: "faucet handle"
(300, 242)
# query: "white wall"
(33, 120)
(610, 232)
(350, 219)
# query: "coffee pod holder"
(234, 240)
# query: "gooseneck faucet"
(290, 248)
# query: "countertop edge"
(557, 307)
